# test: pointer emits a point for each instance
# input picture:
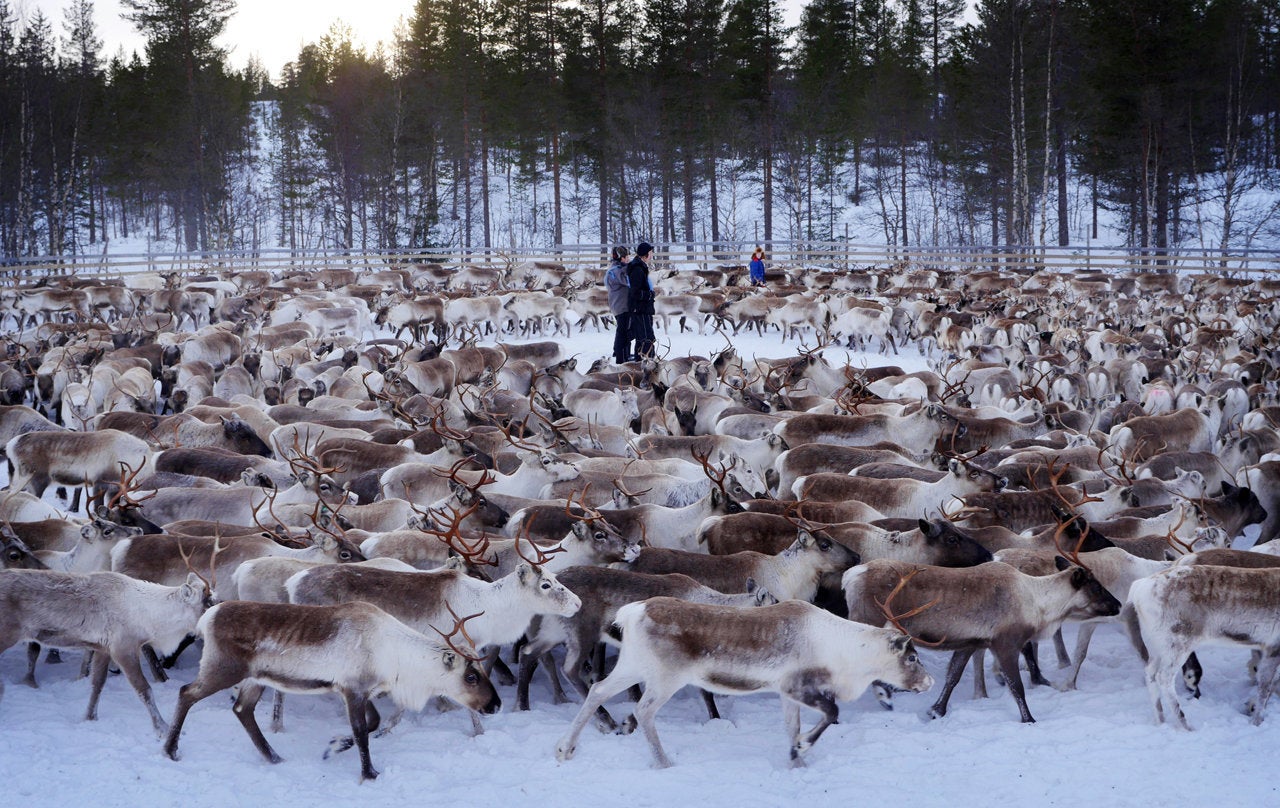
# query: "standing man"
(615, 282)
(640, 301)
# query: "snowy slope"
(1097, 746)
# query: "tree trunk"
(688, 194)
(903, 185)
(714, 202)
(557, 220)
(484, 184)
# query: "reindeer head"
(553, 596)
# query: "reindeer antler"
(896, 620)
(1053, 486)
(124, 494)
(590, 514)
(447, 526)
(1074, 555)
(303, 461)
(486, 477)
(460, 627)
(210, 583)
(617, 483)
(540, 556)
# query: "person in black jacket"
(640, 301)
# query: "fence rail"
(818, 255)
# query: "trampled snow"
(1097, 746)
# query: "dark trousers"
(642, 332)
(622, 339)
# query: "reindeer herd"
(374, 484)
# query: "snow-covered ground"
(1096, 746)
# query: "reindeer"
(1174, 612)
(902, 496)
(73, 458)
(918, 432)
(963, 609)
(105, 612)
(793, 574)
(807, 656)
(163, 559)
(354, 649)
(602, 591)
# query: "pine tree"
(754, 47)
(186, 71)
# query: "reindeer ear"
(450, 659)
(751, 585)
(326, 543)
(192, 588)
(804, 538)
(927, 528)
(305, 477)
(523, 572)
(900, 643)
(1061, 563)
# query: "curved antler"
(460, 627)
(124, 494)
(896, 619)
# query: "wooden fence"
(821, 255)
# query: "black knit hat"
(644, 248)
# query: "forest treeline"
(490, 123)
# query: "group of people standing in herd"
(631, 298)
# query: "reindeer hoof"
(564, 752)
(338, 745)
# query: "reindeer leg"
(341, 743)
(1060, 648)
(980, 674)
(494, 662)
(654, 697)
(558, 696)
(830, 715)
(153, 661)
(277, 712)
(33, 656)
(600, 692)
(246, 702)
(1082, 649)
(1266, 681)
(172, 659)
(203, 687)
(528, 664)
(955, 669)
(1031, 652)
(1007, 657)
(100, 662)
(709, 699)
(127, 659)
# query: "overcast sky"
(275, 30)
